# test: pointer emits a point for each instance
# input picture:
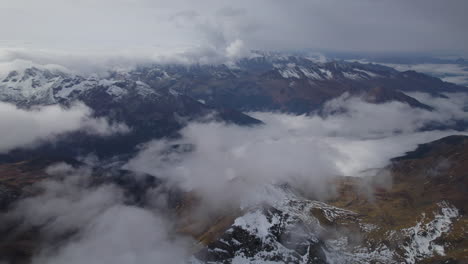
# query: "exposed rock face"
(269, 234)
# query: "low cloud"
(79, 62)
(453, 73)
(226, 166)
(225, 162)
(94, 224)
(101, 62)
(23, 128)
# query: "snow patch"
(256, 223)
(370, 74)
(310, 74)
(328, 74)
(352, 76)
(289, 73)
(423, 235)
(116, 91)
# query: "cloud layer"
(96, 222)
(23, 128)
(453, 73)
(210, 28)
(227, 162)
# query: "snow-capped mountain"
(150, 111)
(297, 230)
(157, 100)
(264, 81)
(35, 86)
(292, 84)
(410, 222)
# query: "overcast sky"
(357, 25)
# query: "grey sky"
(210, 25)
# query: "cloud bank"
(96, 223)
(453, 73)
(226, 162)
(211, 30)
(23, 128)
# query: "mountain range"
(419, 218)
(157, 100)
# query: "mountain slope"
(263, 81)
(291, 83)
(150, 112)
(420, 217)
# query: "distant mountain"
(265, 81)
(117, 96)
(157, 100)
(291, 83)
(151, 112)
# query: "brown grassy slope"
(435, 172)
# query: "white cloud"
(9, 62)
(101, 62)
(23, 128)
(236, 49)
(361, 25)
(98, 225)
(121, 235)
(228, 162)
(453, 73)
